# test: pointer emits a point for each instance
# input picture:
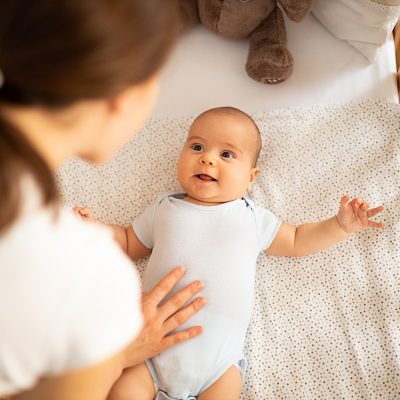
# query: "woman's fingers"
(184, 314)
(159, 321)
(171, 306)
(181, 336)
(160, 291)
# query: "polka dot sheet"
(325, 326)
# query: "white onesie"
(219, 245)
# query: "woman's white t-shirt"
(69, 297)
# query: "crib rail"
(396, 34)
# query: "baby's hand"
(84, 213)
(354, 215)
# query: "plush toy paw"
(262, 21)
(270, 63)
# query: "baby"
(217, 234)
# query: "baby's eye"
(227, 154)
(197, 147)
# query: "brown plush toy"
(269, 60)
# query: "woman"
(78, 78)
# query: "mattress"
(208, 71)
(325, 326)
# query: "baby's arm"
(310, 238)
(125, 237)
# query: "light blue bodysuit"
(219, 245)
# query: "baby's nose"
(207, 161)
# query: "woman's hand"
(160, 320)
(355, 215)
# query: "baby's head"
(218, 161)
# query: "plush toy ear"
(296, 10)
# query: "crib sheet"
(326, 326)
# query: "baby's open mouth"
(205, 177)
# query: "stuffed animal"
(269, 60)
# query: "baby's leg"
(135, 383)
(227, 387)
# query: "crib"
(325, 326)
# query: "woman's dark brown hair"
(57, 52)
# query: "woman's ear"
(136, 97)
(253, 173)
(123, 101)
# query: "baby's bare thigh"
(135, 383)
(227, 387)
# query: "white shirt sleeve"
(143, 224)
(267, 226)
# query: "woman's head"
(57, 54)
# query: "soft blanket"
(325, 326)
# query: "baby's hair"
(227, 110)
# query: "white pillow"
(365, 24)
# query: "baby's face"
(216, 163)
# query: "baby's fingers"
(373, 224)
(374, 211)
(85, 212)
(78, 210)
(344, 201)
(356, 202)
(371, 213)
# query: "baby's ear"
(253, 173)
